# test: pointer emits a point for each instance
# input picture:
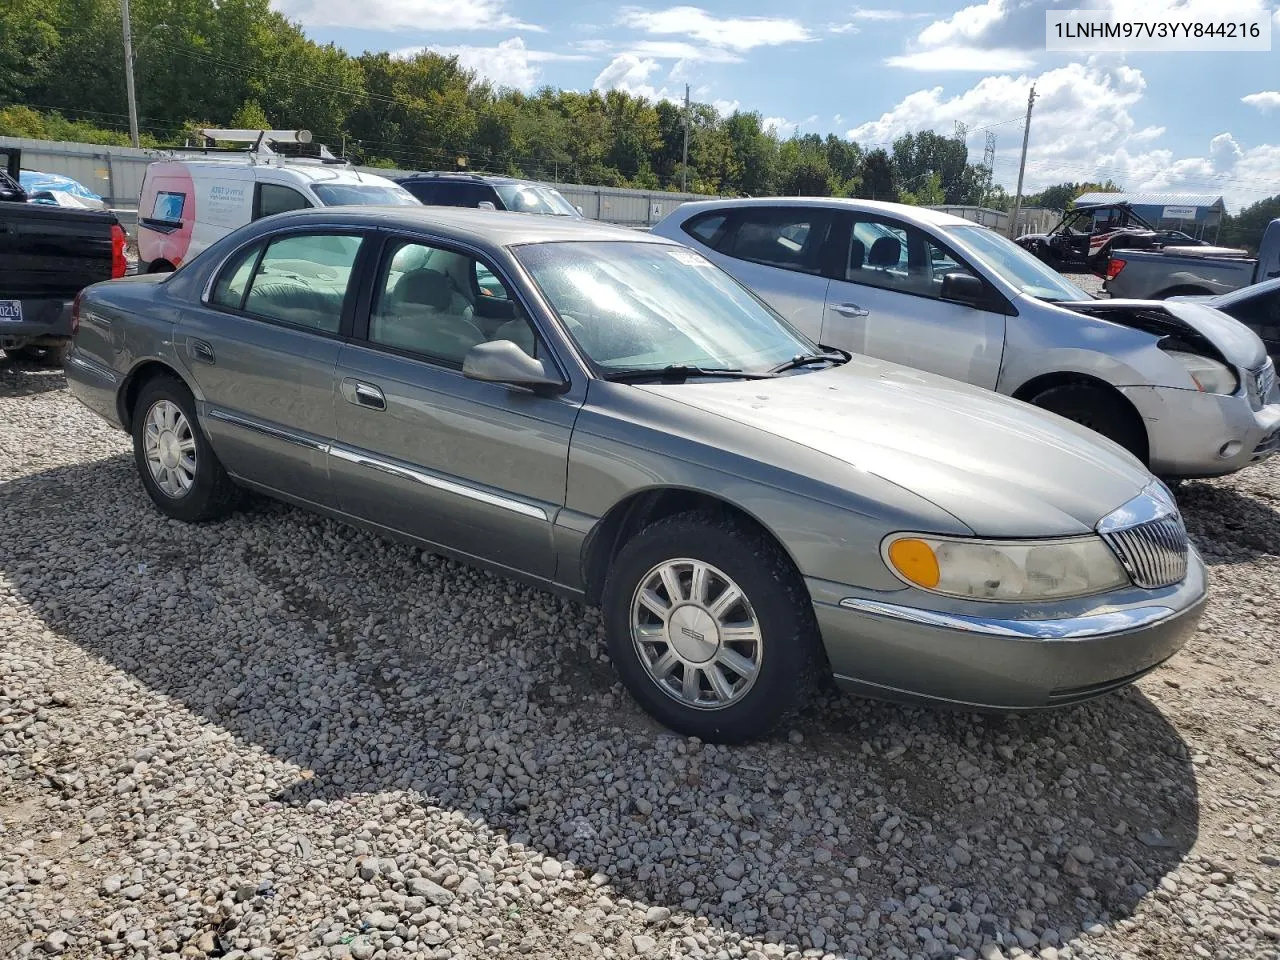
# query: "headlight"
(1209, 376)
(1005, 569)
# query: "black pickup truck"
(48, 254)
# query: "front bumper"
(981, 655)
(1187, 431)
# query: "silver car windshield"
(1016, 266)
(532, 198)
(640, 306)
(352, 194)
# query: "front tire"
(178, 467)
(710, 628)
(1098, 410)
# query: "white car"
(1183, 387)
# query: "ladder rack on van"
(259, 149)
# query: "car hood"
(1001, 467)
(1236, 342)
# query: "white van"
(187, 203)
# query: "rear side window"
(790, 238)
(168, 206)
(232, 284)
(300, 280)
(457, 193)
(272, 198)
(422, 189)
(706, 228)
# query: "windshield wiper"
(805, 359)
(678, 372)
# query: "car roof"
(448, 176)
(1247, 293)
(496, 228)
(902, 211)
(1125, 204)
(234, 168)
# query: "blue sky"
(1172, 121)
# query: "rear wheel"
(1099, 410)
(710, 628)
(178, 467)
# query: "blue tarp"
(33, 181)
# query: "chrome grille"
(1153, 553)
(1260, 383)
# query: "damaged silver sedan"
(1185, 388)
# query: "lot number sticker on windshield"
(689, 258)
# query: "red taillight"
(119, 266)
(1114, 266)
(75, 312)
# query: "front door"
(888, 305)
(262, 350)
(478, 468)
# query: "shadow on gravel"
(22, 378)
(1229, 526)
(373, 668)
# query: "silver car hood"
(1237, 343)
(1001, 467)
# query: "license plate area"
(10, 311)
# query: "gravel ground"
(280, 737)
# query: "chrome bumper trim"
(99, 370)
(1072, 628)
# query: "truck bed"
(52, 253)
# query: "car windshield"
(534, 198)
(1016, 266)
(352, 194)
(647, 306)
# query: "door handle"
(363, 394)
(850, 310)
(200, 350)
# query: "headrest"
(427, 288)
(885, 252)
(857, 254)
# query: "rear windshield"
(350, 194)
(535, 198)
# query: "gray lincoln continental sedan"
(609, 415)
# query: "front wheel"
(1100, 411)
(710, 628)
(179, 469)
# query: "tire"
(44, 356)
(786, 650)
(1100, 411)
(198, 487)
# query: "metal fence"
(1030, 219)
(115, 173)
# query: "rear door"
(888, 303)
(777, 252)
(479, 468)
(263, 347)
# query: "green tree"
(1245, 228)
(879, 178)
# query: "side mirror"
(578, 207)
(963, 288)
(485, 205)
(501, 361)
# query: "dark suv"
(504, 193)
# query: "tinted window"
(347, 194)
(706, 227)
(303, 281)
(535, 198)
(779, 237)
(230, 287)
(273, 198)
(1261, 313)
(460, 193)
(424, 190)
(899, 257)
(438, 304)
(168, 206)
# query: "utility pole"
(1022, 165)
(128, 73)
(684, 156)
(989, 165)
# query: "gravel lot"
(280, 737)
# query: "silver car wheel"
(170, 448)
(696, 634)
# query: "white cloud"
(509, 64)
(785, 128)
(1080, 97)
(736, 33)
(962, 58)
(884, 15)
(630, 74)
(725, 107)
(1265, 100)
(679, 50)
(844, 28)
(404, 14)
